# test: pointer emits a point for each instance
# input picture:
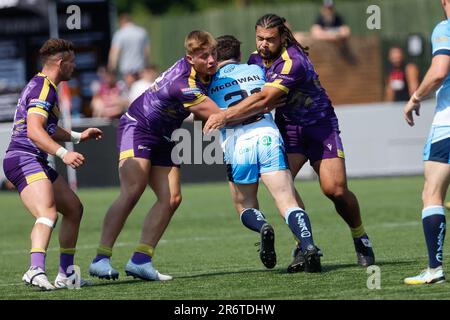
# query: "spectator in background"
(110, 100)
(329, 25)
(402, 79)
(5, 184)
(147, 76)
(130, 49)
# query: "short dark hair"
(228, 47)
(54, 46)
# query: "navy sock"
(434, 225)
(298, 222)
(253, 219)
(140, 258)
(99, 257)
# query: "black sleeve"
(319, 21)
(338, 21)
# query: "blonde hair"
(199, 40)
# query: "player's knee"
(80, 210)
(74, 212)
(429, 195)
(335, 192)
(133, 193)
(175, 202)
(170, 202)
(49, 219)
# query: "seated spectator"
(330, 25)
(110, 100)
(403, 78)
(147, 76)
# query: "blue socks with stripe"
(298, 222)
(253, 219)
(434, 225)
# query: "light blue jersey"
(440, 40)
(437, 147)
(234, 82)
(255, 146)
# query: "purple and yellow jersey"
(39, 96)
(293, 72)
(166, 103)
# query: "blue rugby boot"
(102, 269)
(145, 271)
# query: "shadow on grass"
(333, 267)
(282, 270)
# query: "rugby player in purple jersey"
(307, 122)
(43, 192)
(145, 148)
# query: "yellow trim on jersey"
(287, 66)
(126, 154)
(191, 81)
(40, 74)
(45, 90)
(193, 103)
(278, 85)
(341, 154)
(287, 62)
(36, 176)
(37, 110)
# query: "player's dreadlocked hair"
(271, 20)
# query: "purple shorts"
(134, 141)
(316, 142)
(23, 168)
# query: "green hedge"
(398, 19)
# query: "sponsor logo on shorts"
(141, 147)
(329, 146)
(245, 150)
(266, 141)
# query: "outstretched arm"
(436, 74)
(62, 134)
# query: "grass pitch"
(212, 256)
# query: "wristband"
(75, 137)
(61, 152)
(415, 98)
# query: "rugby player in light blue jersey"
(255, 149)
(436, 152)
(307, 123)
